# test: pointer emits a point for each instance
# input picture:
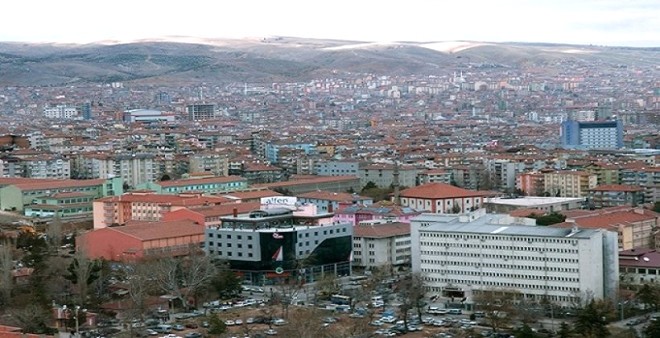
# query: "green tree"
(653, 330)
(226, 284)
(551, 218)
(656, 206)
(216, 325)
(649, 295)
(564, 331)
(591, 321)
(82, 272)
(524, 332)
(369, 185)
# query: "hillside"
(187, 60)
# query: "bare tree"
(140, 286)
(411, 290)
(54, 233)
(183, 277)
(307, 325)
(32, 319)
(6, 267)
(497, 305)
(286, 293)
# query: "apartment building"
(336, 168)
(210, 162)
(434, 176)
(569, 183)
(47, 166)
(381, 245)
(460, 255)
(612, 195)
(274, 243)
(647, 178)
(61, 112)
(531, 184)
(134, 169)
(634, 226)
(441, 198)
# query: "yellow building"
(569, 183)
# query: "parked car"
(193, 335)
(271, 332)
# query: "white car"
(271, 332)
(230, 322)
(238, 322)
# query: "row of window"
(503, 284)
(525, 239)
(229, 253)
(520, 247)
(502, 275)
(228, 245)
(502, 266)
(325, 232)
(228, 236)
(504, 257)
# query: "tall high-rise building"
(86, 110)
(592, 135)
(198, 112)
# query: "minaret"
(395, 182)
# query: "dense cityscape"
(482, 200)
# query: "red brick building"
(142, 239)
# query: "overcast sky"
(601, 22)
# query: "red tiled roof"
(381, 230)
(146, 231)
(439, 191)
(613, 219)
(647, 258)
(228, 209)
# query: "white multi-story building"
(464, 254)
(47, 166)
(378, 245)
(61, 112)
(134, 169)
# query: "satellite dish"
(646, 259)
(636, 258)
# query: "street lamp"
(74, 312)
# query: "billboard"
(279, 200)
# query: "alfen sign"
(279, 200)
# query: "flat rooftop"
(495, 224)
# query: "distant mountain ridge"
(276, 59)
